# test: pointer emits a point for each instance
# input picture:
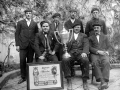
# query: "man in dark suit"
(57, 25)
(45, 44)
(24, 38)
(73, 21)
(95, 19)
(99, 55)
(78, 48)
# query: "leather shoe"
(21, 80)
(85, 86)
(104, 85)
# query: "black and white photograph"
(59, 44)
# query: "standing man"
(99, 55)
(24, 37)
(95, 19)
(57, 25)
(45, 44)
(78, 48)
(73, 21)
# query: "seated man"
(45, 44)
(99, 46)
(78, 48)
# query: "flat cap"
(56, 15)
(28, 10)
(77, 24)
(95, 9)
(96, 24)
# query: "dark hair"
(28, 10)
(56, 14)
(94, 9)
(42, 22)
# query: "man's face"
(73, 14)
(77, 29)
(28, 15)
(95, 14)
(97, 29)
(56, 19)
(45, 27)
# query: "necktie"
(97, 38)
(47, 43)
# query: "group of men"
(86, 45)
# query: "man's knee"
(85, 60)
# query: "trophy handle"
(55, 33)
(70, 38)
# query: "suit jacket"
(59, 27)
(25, 34)
(83, 44)
(89, 26)
(103, 43)
(39, 44)
(69, 25)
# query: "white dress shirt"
(72, 20)
(98, 37)
(76, 35)
(28, 22)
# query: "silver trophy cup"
(65, 37)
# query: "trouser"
(101, 67)
(26, 56)
(68, 63)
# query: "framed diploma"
(44, 76)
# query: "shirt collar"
(28, 20)
(72, 20)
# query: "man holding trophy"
(45, 44)
(76, 47)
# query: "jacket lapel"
(31, 23)
(25, 23)
(42, 38)
(49, 38)
(100, 39)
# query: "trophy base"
(66, 55)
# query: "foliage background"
(11, 11)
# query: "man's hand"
(18, 48)
(101, 52)
(42, 57)
(106, 52)
(51, 52)
(84, 55)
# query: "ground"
(114, 83)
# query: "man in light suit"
(24, 38)
(78, 48)
(45, 44)
(99, 55)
